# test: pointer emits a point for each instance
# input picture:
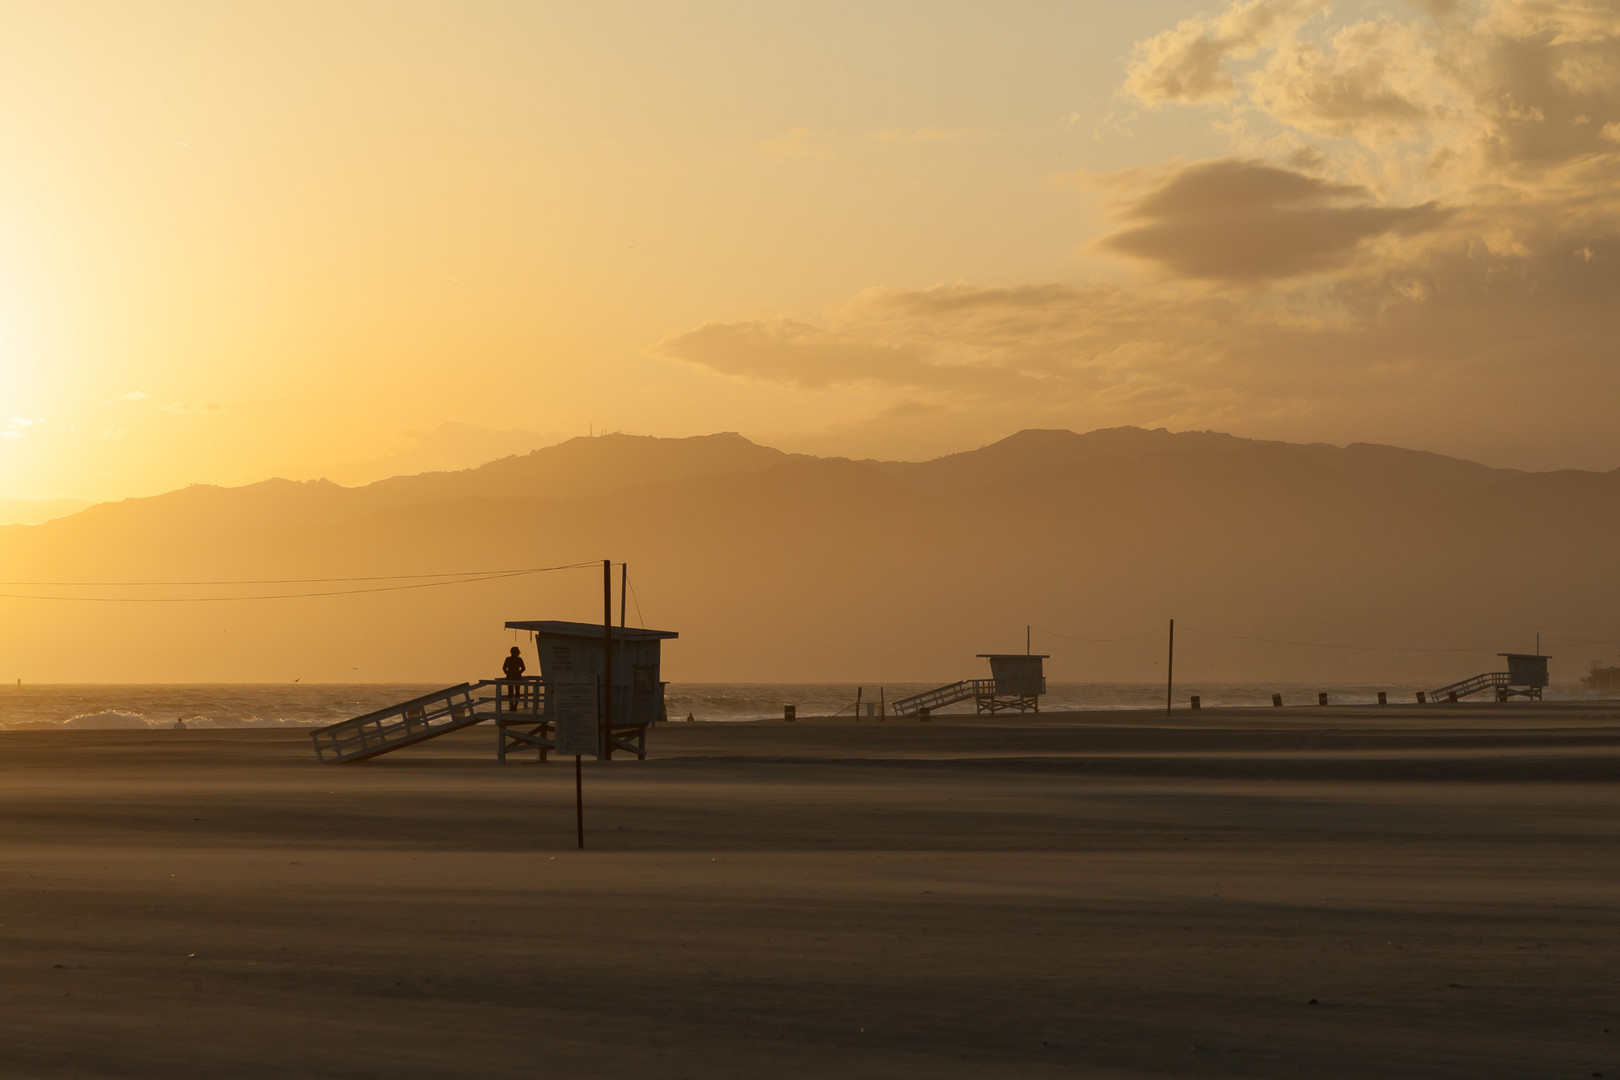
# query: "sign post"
(577, 732)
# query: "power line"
(1322, 645)
(470, 574)
(1311, 644)
(640, 619)
(1097, 640)
(465, 580)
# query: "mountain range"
(1358, 563)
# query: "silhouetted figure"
(514, 667)
(180, 723)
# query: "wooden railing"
(941, 696)
(427, 717)
(1491, 680)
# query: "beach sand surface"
(1322, 892)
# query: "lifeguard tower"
(1526, 677)
(1017, 681)
(570, 650)
(524, 711)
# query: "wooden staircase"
(1491, 680)
(428, 717)
(941, 696)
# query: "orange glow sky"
(351, 239)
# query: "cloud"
(1188, 63)
(800, 354)
(1237, 220)
(1501, 92)
(1421, 205)
(961, 343)
(798, 143)
(133, 395)
(1364, 354)
(1372, 80)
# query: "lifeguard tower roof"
(557, 628)
(1019, 655)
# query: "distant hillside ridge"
(792, 567)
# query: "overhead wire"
(1308, 644)
(462, 580)
(1098, 640)
(1324, 645)
(296, 581)
(634, 599)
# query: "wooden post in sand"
(607, 659)
(579, 802)
(1170, 670)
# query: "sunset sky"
(349, 239)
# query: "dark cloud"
(1550, 92)
(1246, 221)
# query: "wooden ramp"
(426, 717)
(1501, 683)
(941, 696)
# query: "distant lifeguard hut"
(1526, 676)
(1017, 681)
(573, 658)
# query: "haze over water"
(215, 706)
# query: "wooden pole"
(624, 590)
(1026, 639)
(1170, 670)
(579, 802)
(607, 660)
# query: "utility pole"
(1026, 639)
(624, 589)
(1170, 670)
(607, 659)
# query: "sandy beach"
(1336, 892)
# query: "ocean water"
(107, 706)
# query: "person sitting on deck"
(514, 667)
